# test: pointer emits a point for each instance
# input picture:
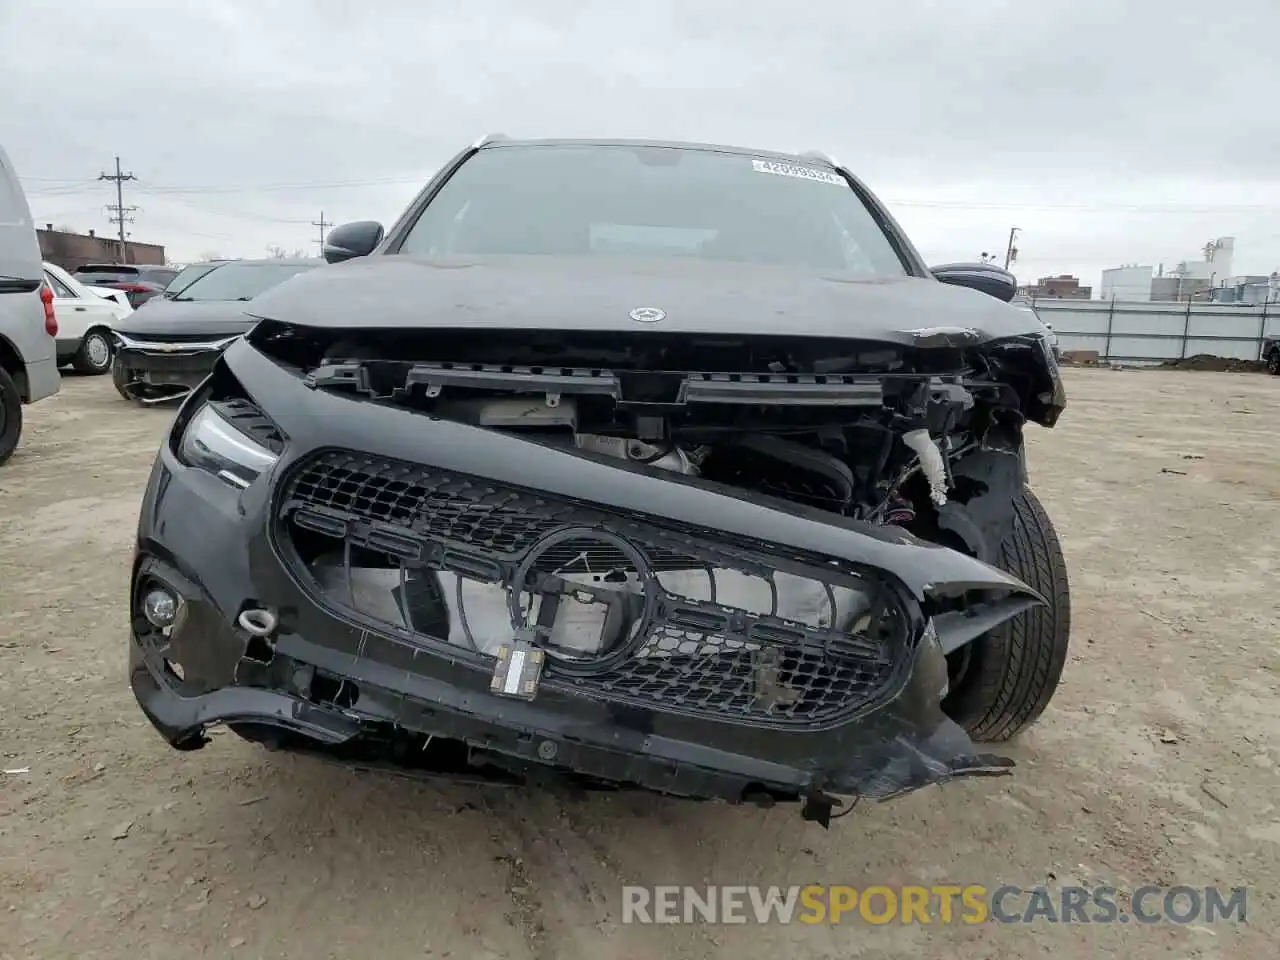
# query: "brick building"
(72, 250)
(1062, 287)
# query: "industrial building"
(1127, 282)
(1187, 280)
(72, 250)
(1250, 290)
(1062, 287)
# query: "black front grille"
(695, 654)
(177, 365)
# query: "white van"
(28, 327)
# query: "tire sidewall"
(82, 358)
(120, 377)
(10, 416)
(1013, 670)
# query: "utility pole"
(321, 223)
(1011, 253)
(119, 212)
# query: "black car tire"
(1003, 681)
(10, 416)
(1273, 362)
(120, 376)
(82, 361)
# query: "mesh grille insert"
(752, 643)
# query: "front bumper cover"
(330, 681)
(166, 369)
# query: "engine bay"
(866, 430)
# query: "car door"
(78, 310)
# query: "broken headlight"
(211, 443)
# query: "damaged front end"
(711, 567)
(164, 368)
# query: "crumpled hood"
(598, 294)
(167, 318)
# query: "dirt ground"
(1156, 763)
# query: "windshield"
(239, 281)
(601, 200)
(186, 277)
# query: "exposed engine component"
(662, 456)
(784, 468)
(808, 460)
(932, 465)
(872, 431)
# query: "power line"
(229, 214)
(120, 213)
(272, 187)
(321, 223)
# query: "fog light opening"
(174, 667)
(160, 607)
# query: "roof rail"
(489, 138)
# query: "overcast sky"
(1108, 132)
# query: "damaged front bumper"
(807, 667)
(165, 370)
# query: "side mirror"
(984, 277)
(351, 240)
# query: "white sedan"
(85, 319)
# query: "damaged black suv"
(627, 464)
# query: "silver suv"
(28, 368)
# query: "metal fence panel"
(1123, 330)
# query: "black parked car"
(140, 282)
(653, 465)
(168, 346)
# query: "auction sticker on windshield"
(795, 170)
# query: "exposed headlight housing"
(212, 443)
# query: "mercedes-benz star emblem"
(647, 315)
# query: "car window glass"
(240, 281)
(107, 274)
(162, 277)
(108, 269)
(60, 290)
(602, 200)
(187, 276)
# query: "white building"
(1216, 265)
(1189, 278)
(1127, 282)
